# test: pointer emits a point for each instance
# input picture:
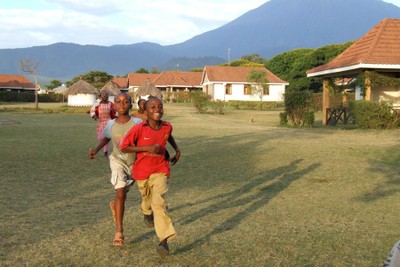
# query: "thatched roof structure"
(147, 88)
(111, 88)
(81, 87)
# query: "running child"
(151, 169)
(120, 163)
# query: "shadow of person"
(253, 201)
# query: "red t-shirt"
(148, 163)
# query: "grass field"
(243, 194)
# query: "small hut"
(112, 89)
(81, 94)
(147, 89)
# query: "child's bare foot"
(118, 239)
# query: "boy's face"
(122, 104)
(141, 104)
(154, 109)
(103, 96)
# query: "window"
(266, 89)
(228, 89)
(247, 89)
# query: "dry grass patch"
(243, 194)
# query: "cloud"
(109, 22)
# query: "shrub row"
(374, 115)
(30, 97)
(254, 105)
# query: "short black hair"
(127, 96)
(140, 100)
(151, 98)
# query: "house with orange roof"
(227, 83)
(135, 80)
(379, 51)
(121, 83)
(172, 82)
(16, 83)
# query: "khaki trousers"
(152, 191)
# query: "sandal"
(118, 239)
(112, 207)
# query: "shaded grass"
(243, 194)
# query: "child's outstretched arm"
(102, 143)
(172, 142)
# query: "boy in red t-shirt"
(151, 169)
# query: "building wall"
(389, 94)
(81, 100)
(217, 91)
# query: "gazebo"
(112, 89)
(81, 94)
(378, 51)
(147, 89)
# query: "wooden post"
(367, 96)
(325, 100)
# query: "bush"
(296, 104)
(283, 120)
(17, 97)
(200, 101)
(218, 106)
(30, 97)
(253, 105)
(309, 118)
(374, 115)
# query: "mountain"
(275, 27)
(282, 25)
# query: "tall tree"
(96, 78)
(154, 70)
(259, 82)
(30, 67)
(254, 58)
(141, 70)
(54, 84)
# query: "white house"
(81, 94)
(232, 83)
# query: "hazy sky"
(26, 23)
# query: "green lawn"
(243, 194)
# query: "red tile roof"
(121, 82)
(137, 79)
(15, 81)
(178, 78)
(379, 46)
(236, 74)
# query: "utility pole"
(229, 56)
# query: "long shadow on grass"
(251, 203)
(389, 167)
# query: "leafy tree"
(197, 70)
(259, 82)
(292, 66)
(141, 70)
(53, 84)
(242, 63)
(254, 58)
(96, 78)
(154, 70)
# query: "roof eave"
(330, 72)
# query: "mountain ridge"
(275, 27)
